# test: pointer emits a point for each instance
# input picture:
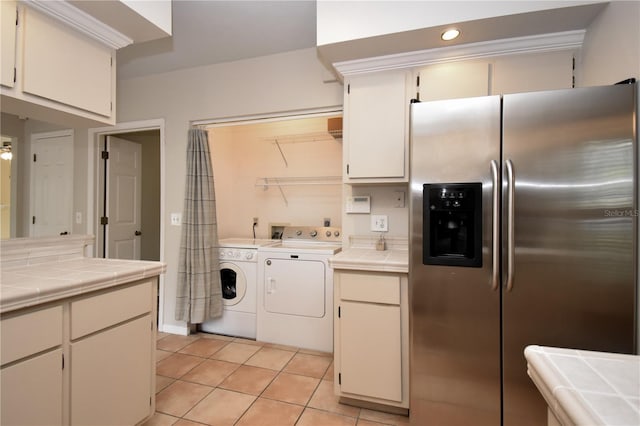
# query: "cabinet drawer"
(371, 287)
(30, 333)
(98, 312)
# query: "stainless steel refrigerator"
(523, 231)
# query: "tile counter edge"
(367, 259)
(28, 286)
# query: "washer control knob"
(298, 232)
(248, 255)
(328, 233)
(313, 233)
(336, 233)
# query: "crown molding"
(81, 21)
(530, 44)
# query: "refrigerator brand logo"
(621, 213)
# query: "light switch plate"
(379, 222)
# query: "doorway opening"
(149, 137)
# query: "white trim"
(537, 43)
(174, 329)
(266, 118)
(93, 190)
(81, 21)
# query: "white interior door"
(124, 199)
(51, 183)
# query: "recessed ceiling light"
(450, 34)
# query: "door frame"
(95, 136)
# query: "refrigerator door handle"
(495, 219)
(511, 181)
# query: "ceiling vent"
(334, 127)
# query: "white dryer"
(295, 288)
(238, 278)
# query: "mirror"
(16, 197)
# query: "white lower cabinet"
(86, 360)
(32, 391)
(112, 366)
(371, 356)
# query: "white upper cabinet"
(53, 72)
(64, 66)
(8, 40)
(532, 72)
(497, 76)
(58, 57)
(375, 131)
(454, 80)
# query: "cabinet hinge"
(34, 158)
(573, 72)
(104, 155)
(149, 401)
(104, 220)
(111, 61)
(111, 106)
(15, 74)
(17, 16)
(418, 81)
(348, 88)
(33, 220)
(63, 361)
(339, 378)
(339, 311)
(347, 169)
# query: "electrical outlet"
(176, 219)
(398, 198)
(379, 222)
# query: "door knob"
(138, 233)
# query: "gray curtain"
(199, 295)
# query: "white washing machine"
(295, 288)
(238, 277)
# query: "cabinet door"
(529, 73)
(8, 40)
(454, 80)
(113, 366)
(376, 108)
(370, 350)
(65, 66)
(295, 287)
(32, 391)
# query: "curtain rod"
(264, 118)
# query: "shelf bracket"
(282, 154)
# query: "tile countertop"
(29, 285)
(585, 387)
(363, 256)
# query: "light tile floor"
(208, 379)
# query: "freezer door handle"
(511, 181)
(495, 223)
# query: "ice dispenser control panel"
(452, 224)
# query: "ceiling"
(214, 31)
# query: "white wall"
(276, 83)
(611, 49)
